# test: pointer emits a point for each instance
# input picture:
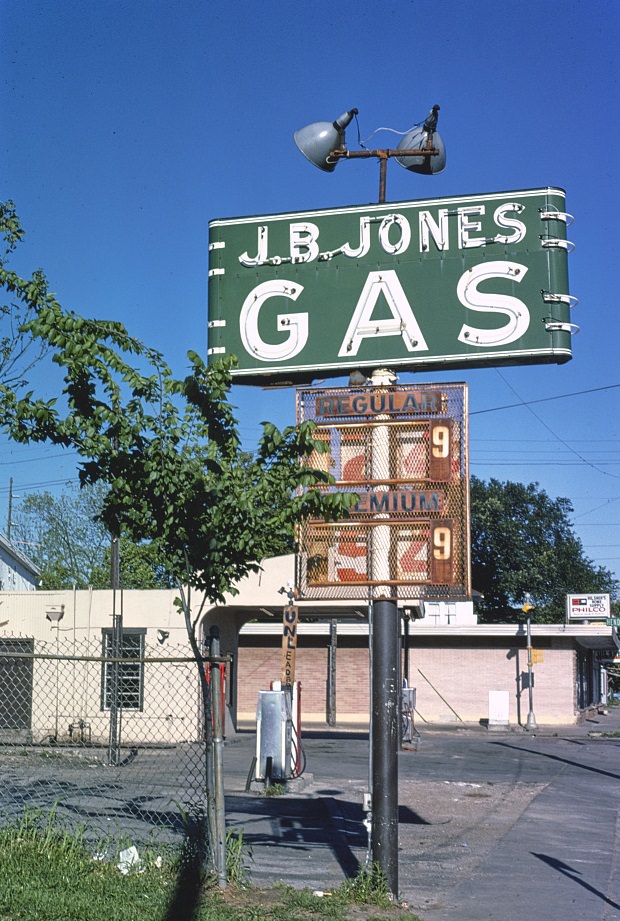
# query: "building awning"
(602, 643)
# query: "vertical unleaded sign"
(403, 451)
(452, 282)
(290, 620)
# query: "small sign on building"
(588, 607)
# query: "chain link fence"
(111, 739)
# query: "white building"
(56, 680)
(17, 572)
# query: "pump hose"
(299, 753)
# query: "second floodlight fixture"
(419, 137)
(421, 150)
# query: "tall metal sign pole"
(385, 671)
(384, 741)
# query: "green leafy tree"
(18, 350)
(523, 541)
(166, 449)
(169, 454)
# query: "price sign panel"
(403, 452)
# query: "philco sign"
(477, 280)
(588, 607)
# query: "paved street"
(492, 826)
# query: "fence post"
(116, 700)
(219, 845)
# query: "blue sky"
(129, 125)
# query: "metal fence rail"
(114, 743)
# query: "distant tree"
(64, 536)
(523, 541)
(140, 567)
(61, 535)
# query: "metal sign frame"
(404, 451)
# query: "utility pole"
(331, 672)
(10, 515)
(114, 750)
(531, 719)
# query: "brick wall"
(452, 679)
(258, 666)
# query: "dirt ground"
(458, 824)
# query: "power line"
(38, 459)
(42, 485)
(551, 431)
(561, 396)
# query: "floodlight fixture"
(55, 613)
(318, 140)
(421, 150)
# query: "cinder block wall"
(453, 684)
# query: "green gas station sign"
(442, 283)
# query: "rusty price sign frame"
(404, 451)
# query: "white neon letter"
(511, 307)
(261, 255)
(428, 228)
(294, 324)
(466, 227)
(364, 244)
(502, 220)
(402, 322)
(401, 245)
(304, 247)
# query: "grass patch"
(369, 887)
(236, 859)
(49, 874)
(275, 789)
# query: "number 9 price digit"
(442, 543)
(441, 441)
